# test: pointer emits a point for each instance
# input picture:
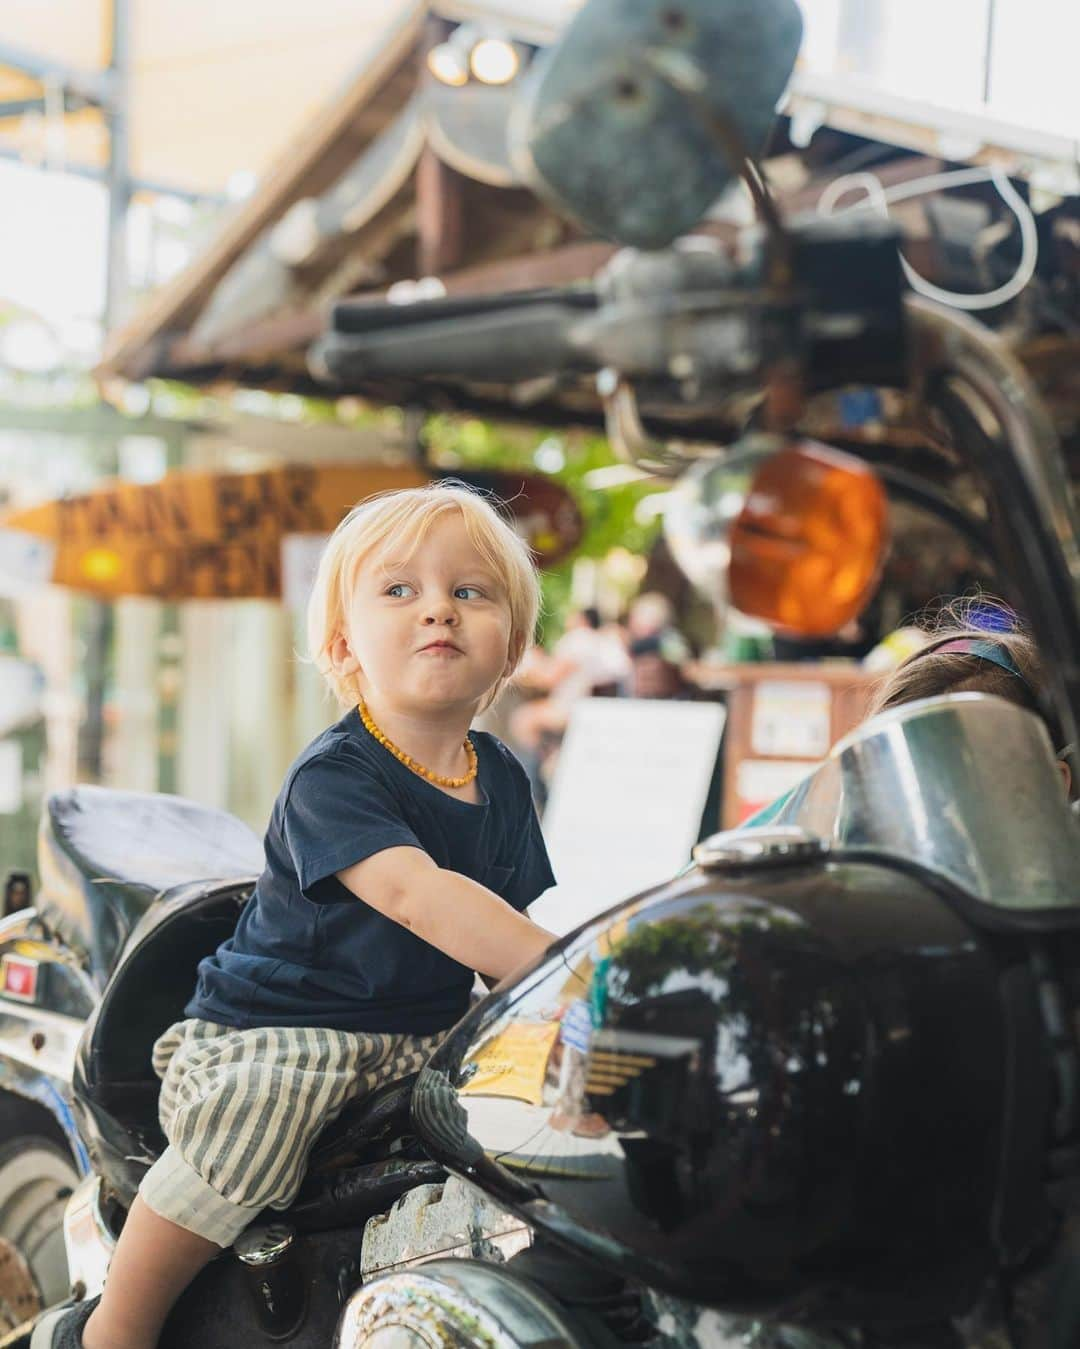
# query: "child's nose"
(440, 610)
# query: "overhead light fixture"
(489, 57)
(494, 60)
(448, 64)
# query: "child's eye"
(468, 593)
(399, 590)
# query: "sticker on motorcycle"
(19, 978)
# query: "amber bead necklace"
(410, 762)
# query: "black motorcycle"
(823, 1088)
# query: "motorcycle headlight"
(464, 1303)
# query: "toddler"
(401, 853)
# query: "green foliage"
(568, 457)
(704, 941)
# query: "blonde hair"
(405, 516)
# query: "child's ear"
(514, 654)
(342, 660)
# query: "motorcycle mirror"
(790, 532)
(641, 115)
(808, 546)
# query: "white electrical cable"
(879, 198)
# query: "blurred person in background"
(657, 649)
(588, 660)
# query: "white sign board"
(26, 562)
(626, 801)
(758, 782)
(300, 554)
(21, 689)
(11, 777)
(791, 718)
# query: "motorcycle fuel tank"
(778, 1091)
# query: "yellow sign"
(198, 535)
(219, 535)
(513, 1063)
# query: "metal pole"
(118, 178)
(988, 75)
(100, 618)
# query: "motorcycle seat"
(383, 1115)
(116, 1092)
(114, 1087)
(104, 856)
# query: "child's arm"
(463, 919)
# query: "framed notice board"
(782, 719)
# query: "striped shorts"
(241, 1110)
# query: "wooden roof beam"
(176, 304)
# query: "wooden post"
(439, 215)
(439, 195)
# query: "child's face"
(428, 631)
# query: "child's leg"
(154, 1262)
(241, 1110)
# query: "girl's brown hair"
(931, 672)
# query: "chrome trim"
(966, 785)
(456, 1304)
(35, 1038)
(761, 847)
(89, 1242)
(985, 362)
(260, 1246)
(29, 925)
(15, 924)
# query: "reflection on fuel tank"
(719, 1089)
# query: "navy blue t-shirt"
(306, 952)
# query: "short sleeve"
(532, 873)
(339, 812)
(532, 870)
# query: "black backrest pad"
(114, 1083)
(146, 995)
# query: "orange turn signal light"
(808, 546)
